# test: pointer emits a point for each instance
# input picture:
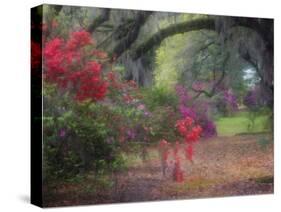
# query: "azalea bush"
(87, 137)
(96, 116)
(188, 133)
(77, 137)
(125, 97)
(198, 110)
(75, 66)
(75, 129)
(163, 124)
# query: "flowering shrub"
(77, 137)
(122, 92)
(84, 136)
(187, 111)
(70, 65)
(183, 95)
(134, 117)
(191, 133)
(231, 100)
(227, 102)
(162, 122)
(197, 110)
(209, 128)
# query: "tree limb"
(214, 88)
(264, 27)
(261, 27)
(132, 34)
(203, 48)
(187, 26)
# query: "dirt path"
(223, 166)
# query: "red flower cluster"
(69, 65)
(54, 61)
(78, 39)
(91, 84)
(194, 134)
(187, 129)
(191, 134)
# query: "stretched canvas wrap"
(132, 105)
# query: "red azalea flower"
(79, 39)
(67, 62)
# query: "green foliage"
(168, 61)
(76, 137)
(69, 18)
(159, 96)
(164, 119)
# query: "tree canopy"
(210, 47)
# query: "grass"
(238, 124)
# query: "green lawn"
(228, 126)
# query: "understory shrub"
(76, 137)
(197, 110)
(159, 96)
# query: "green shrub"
(163, 124)
(76, 138)
(159, 96)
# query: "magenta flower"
(196, 110)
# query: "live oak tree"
(132, 37)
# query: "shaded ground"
(223, 166)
